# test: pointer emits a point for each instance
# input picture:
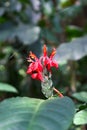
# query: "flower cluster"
(39, 67)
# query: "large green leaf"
(80, 117)
(81, 96)
(70, 12)
(74, 50)
(35, 114)
(7, 88)
(26, 33)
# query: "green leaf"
(82, 107)
(74, 50)
(27, 34)
(80, 117)
(70, 12)
(81, 96)
(47, 8)
(73, 31)
(7, 88)
(35, 114)
(65, 3)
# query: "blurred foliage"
(25, 25)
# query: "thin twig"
(59, 93)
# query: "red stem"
(59, 94)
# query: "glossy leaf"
(80, 117)
(7, 88)
(74, 50)
(70, 12)
(35, 114)
(81, 96)
(27, 34)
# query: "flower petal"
(54, 64)
(37, 76)
(34, 75)
(32, 56)
(29, 71)
(45, 50)
(40, 76)
(53, 53)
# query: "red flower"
(37, 76)
(48, 61)
(41, 69)
(35, 68)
